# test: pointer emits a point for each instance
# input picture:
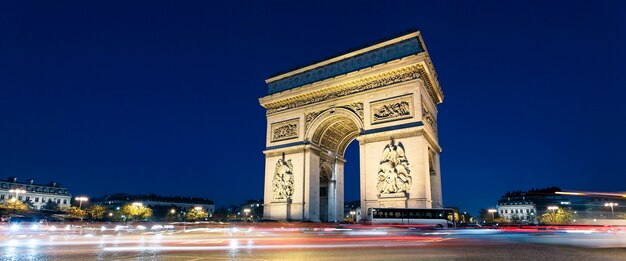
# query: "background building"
(529, 205)
(251, 210)
(352, 211)
(178, 203)
(37, 196)
(517, 208)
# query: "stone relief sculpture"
(282, 183)
(285, 130)
(428, 117)
(393, 173)
(393, 110)
(356, 107)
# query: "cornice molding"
(408, 73)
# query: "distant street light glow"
(611, 204)
(493, 213)
(80, 201)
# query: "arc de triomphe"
(384, 96)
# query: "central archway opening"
(332, 134)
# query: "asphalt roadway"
(293, 243)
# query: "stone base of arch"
(424, 191)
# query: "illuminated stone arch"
(334, 129)
(384, 96)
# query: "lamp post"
(553, 208)
(17, 193)
(80, 201)
(247, 211)
(493, 213)
(611, 204)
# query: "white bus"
(435, 217)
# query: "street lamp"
(80, 201)
(247, 211)
(611, 204)
(353, 213)
(137, 204)
(17, 193)
(493, 213)
(553, 208)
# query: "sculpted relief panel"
(392, 109)
(356, 107)
(282, 183)
(285, 130)
(429, 118)
(393, 173)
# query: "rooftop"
(31, 182)
(374, 54)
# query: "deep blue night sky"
(111, 96)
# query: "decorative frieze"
(428, 117)
(310, 117)
(392, 109)
(394, 175)
(401, 75)
(357, 108)
(285, 130)
(282, 182)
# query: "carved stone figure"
(393, 173)
(282, 183)
(393, 110)
(428, 117)
(285, 131)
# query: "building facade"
(517, 209)
(35, 195)
(150, 200)
(528, 206)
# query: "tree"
(196, 214)
(560, 216)
(136, 211)
(96, 212)
(77, 212)
(51, 206)
(502, 220)
(14, 205)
